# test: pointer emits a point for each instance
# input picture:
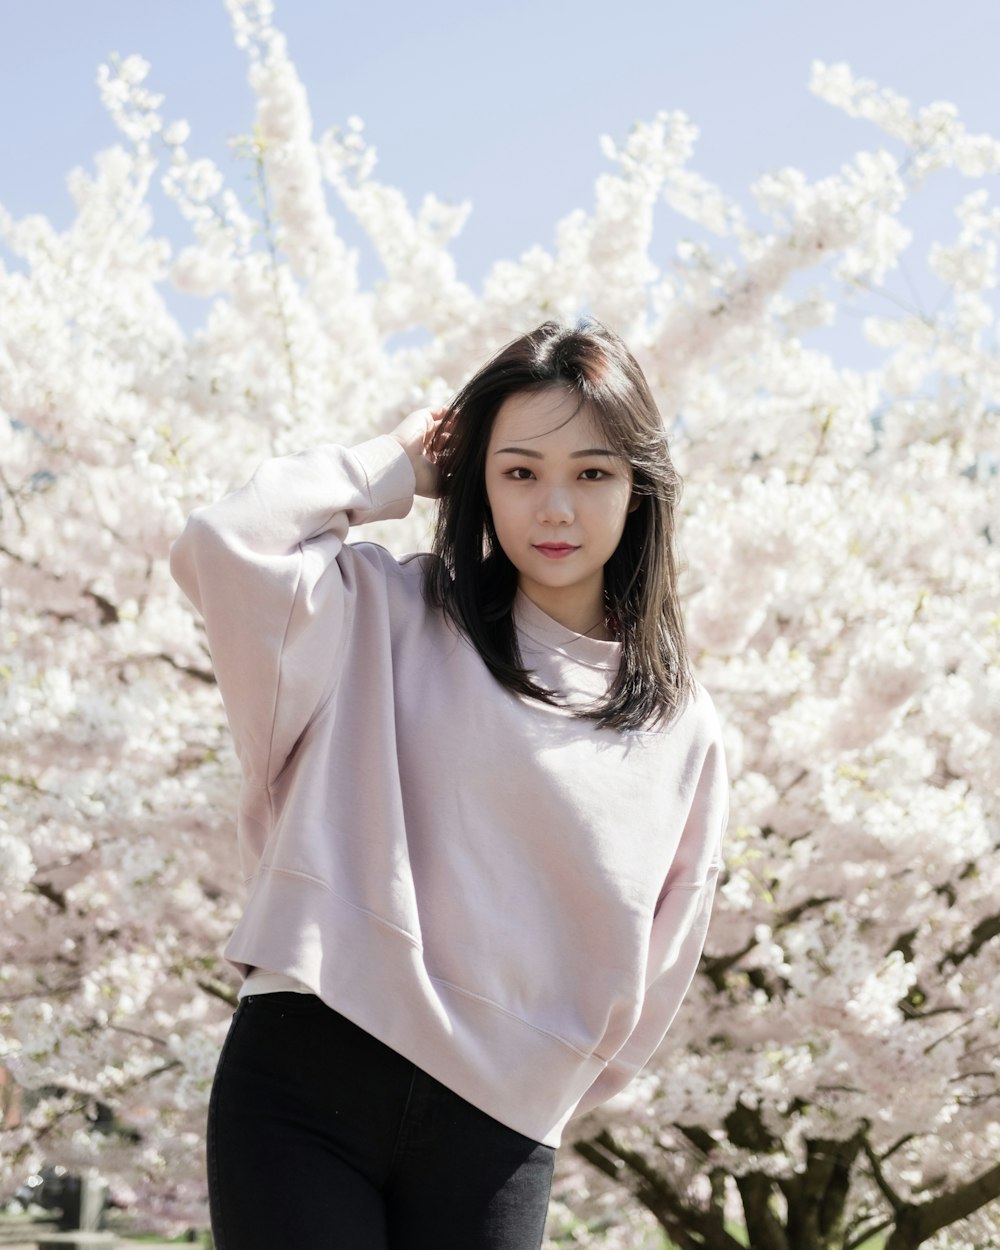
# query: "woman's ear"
(634, 502)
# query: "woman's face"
(559, 497)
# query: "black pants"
(322, 1138)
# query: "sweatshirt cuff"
(389, 475)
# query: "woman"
(482, 805)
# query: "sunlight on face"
(559, 497)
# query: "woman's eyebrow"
(538, 455)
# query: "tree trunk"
(764, 1230)
(817, 1199)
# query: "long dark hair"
(475, 583)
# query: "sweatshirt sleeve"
(679, 928)
(265, 568)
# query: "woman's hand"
(420, 435)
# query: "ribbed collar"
(543, 630)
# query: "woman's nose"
(556, 506)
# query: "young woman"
(482, 805)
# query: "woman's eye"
(593, 475)
(520, 475)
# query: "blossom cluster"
(841, 563)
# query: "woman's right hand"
(418, 434)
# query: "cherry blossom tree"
(833, 1074)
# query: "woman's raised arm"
(265, 567)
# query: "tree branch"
(863, 1237)
(81, 1099)
(42, 992)
(107, 609)
(987, 929)
(716, 968)
(201, 674)
(146, 1037)
(898, 1145)
(919, 1221)
(879, 1177)
(218, 989)
(47, 890)
(690, 1228)
(702, 1141)
(12, 495)
(747, 1131)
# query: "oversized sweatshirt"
(508, 895)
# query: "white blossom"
(839, 544)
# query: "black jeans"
(322, 1138)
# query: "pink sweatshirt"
(510, 897)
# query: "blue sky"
(500, 104)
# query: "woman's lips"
(555, 551)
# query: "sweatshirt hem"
(357, 964)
